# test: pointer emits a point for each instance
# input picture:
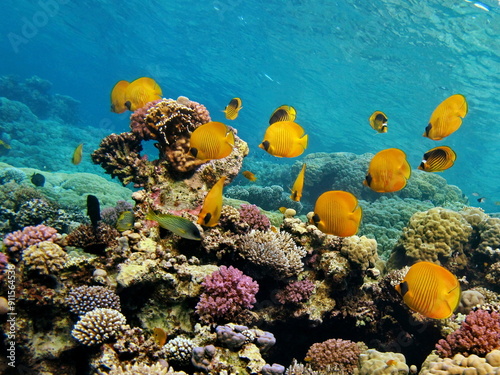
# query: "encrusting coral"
(462, 365)
(98, 326)
(45, 257)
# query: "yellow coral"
(461, 365)
(45, 257)
(360, 251)
(435, 236)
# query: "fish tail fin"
(150, 215)
(230, 137)
(303, 141)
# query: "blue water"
(334, 61)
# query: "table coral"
(273, 252)
(45, 257)
(98, 326)
(478, 334)
(226, 293)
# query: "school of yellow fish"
(427, 288)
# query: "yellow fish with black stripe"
(283, 113)
(213, 140)
(140, 92)
(118, 97)
(298, 185)
(212, 206)
(284, 139)
(378, 121)
(447, 117)
(438, 159)
(388, 171)
(430, 290)
(337, 212)
(233, 108)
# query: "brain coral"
(45, 257)
(437, 236)
(273, 252)
(97, 326)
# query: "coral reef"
(438, 235)
(98, 326)
(179, 350)
(87, 298)
(226, 293)
(93, 240)
(334, 354)
(274, 253)
(21, 239)
(296, 292)
(373, 362)
(251, 215)
(462, 365)
(479, 334)
(44, 257)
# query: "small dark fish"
(93, 209)
(481, 200)
(38, 179)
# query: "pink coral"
(296, 292)
(138, 123)
(227, 292)
(334, 355)
(21, 239)
(479, 334)
(250, 214)
(4, 261)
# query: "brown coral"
(93, 240)
(334, 354)
(119, 155)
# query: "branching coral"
(179, 350)
(98, 326)
(21, 239)
(479, 334)
(340, 355)
(45, 257)
(251, 215)
(296, 292)
(93, 240)
(226, 293)
(87, 298)
(274, 252)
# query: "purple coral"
(296, 292)
(21, 239)
(4, 261)
(109, 215)
(335, 355)
(227, 292)
(479, 334)
(250, 214)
